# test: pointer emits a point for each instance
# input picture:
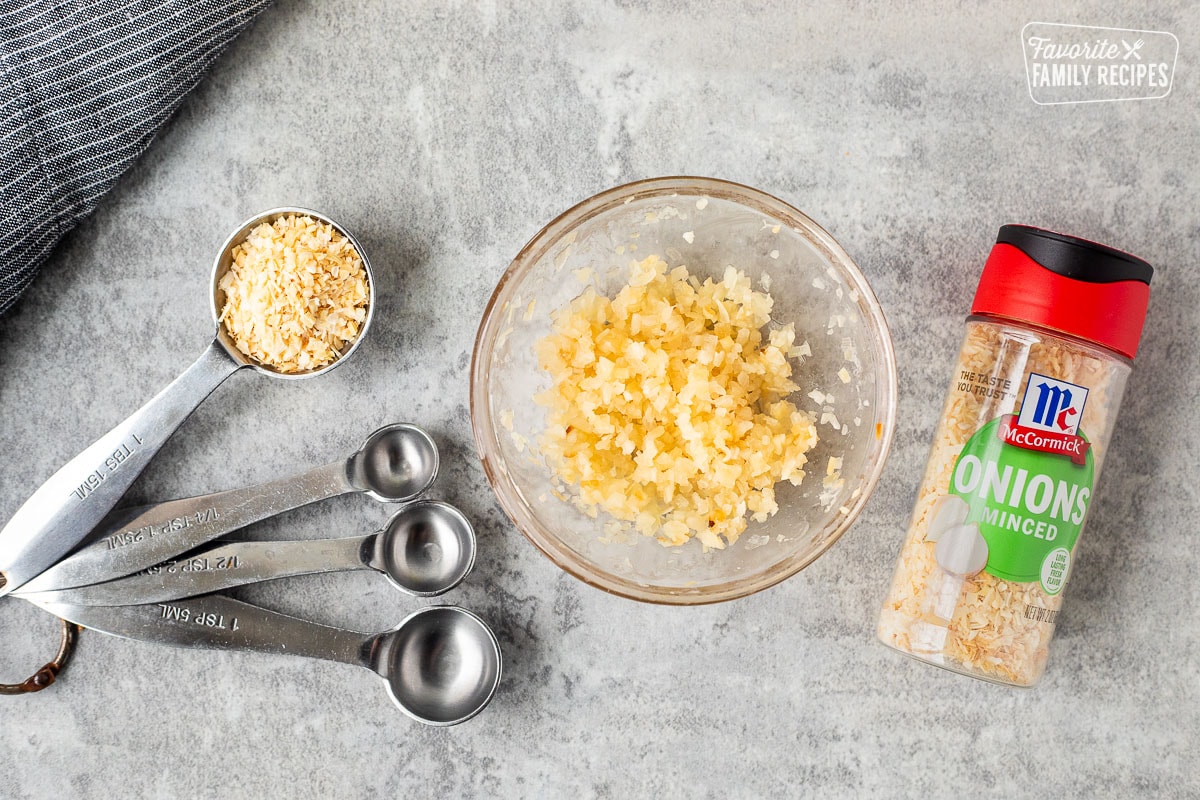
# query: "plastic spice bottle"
(1012, 473)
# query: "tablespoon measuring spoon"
(396, 463)
(65, 509)
(442, 664)
(426, 549)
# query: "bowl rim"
(482, 422)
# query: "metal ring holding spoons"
(61, 513)
(47, 673)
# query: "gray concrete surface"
(445, 136)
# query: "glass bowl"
(705, 224)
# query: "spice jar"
(1012, 472)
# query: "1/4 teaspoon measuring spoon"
(426, 549)
(397, 463)
(77, 498)
(442, 664)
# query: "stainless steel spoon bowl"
(443, 665)
(62, 512)
(396, 463)
(426, 549)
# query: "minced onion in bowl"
(847, 380)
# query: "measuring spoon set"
(152, 573)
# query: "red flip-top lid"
(1066, 284)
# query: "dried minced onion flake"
(667, 408)
(296, 294)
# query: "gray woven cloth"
(84, 87)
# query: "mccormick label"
(1027, 480)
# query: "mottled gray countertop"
(445, 137)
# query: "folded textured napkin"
(84, 87)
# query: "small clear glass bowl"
(705, 224)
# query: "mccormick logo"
(1049, 419)
(1051, 405)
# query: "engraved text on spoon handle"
(168, 529)
(75, 499)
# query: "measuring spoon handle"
(213, 569)
(162, 531)
(75, 499)
(216, 622)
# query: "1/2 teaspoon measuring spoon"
(397, 463)
(426, 549)
(442, 664)
(65, 509)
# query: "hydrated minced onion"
(667, 408)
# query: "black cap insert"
(1074, 257)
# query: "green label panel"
(1028, 505)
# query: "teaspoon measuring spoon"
(442, 664)
(395, 464)
(426, 549)
(65, 509)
